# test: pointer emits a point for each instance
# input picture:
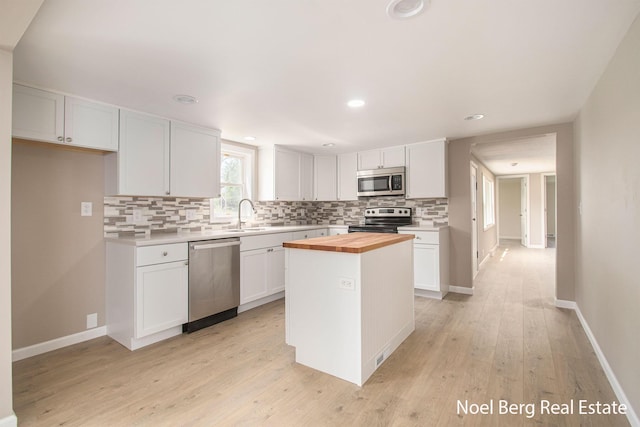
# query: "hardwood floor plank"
(506, 342)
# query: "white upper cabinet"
(427, 169)
(284, 174)
(91, 125)
(383, 158)
(195, 161)
(50, 117)
(324, 178)
(143, 159)
(347, 176)
(306, 176)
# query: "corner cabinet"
(158, 157)
(430, 262)
(45, 116)
(147, 292)
(284, 174)
(427, 175)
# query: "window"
(236, 177)
(488, 202)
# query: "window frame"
(248, 154)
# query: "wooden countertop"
(355, 243)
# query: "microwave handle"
(390, 182)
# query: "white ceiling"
(282, 70)
(531, 155)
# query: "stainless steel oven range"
(383, 220)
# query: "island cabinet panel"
(347, 312)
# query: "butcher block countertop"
(355, 243)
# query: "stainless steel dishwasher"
(214, 282)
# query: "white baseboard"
(44, 347)
(510, 237)
(428, 294)
(10, 421)
(536, 246)
(632, 417)
(461, 290)
(560, 303)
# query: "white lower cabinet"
(261, 268)
(309, 234)
(430, 262)
(147, 292)
(161, 297)
(335, 231)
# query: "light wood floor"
(507, 341)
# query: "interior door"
(474, 220)
(524, 238)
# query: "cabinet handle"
(165, 253)
(418, 238)
(186, 263)
(60, 138)
(69, 139)
(167, 192)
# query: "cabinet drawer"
(158, 254)
(263, 241)
(425, 237)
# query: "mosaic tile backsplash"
(175, 214)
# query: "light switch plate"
(137, 215)
(86, 208)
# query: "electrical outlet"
(92, 320)
(191, 214)
(137, 215)
(86, 208)
(346, 283)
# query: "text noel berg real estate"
(545, 407)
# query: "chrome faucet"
(240, 211)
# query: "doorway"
(474, 219)
(513, 209)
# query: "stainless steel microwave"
(381, 182)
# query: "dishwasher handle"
(197, 247)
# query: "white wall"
(608, 230)
(509, 207)
(6, 77)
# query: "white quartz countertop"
(166, 238)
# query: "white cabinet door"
(254, 277)
(287, 175)
(338, 231)
(37, 114)
(143, 158)
(427, 169)
(369, 160)
(324, 177)
(306, 176)
(91, 125)
(161, 297)
(275, 266)
(347, 177)
(426, 267)
(195, 161)
(392, 157)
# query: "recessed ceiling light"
(249, 138)
(185, 99)
(403, 9)
(355, 103)
(474, 117)
(329, 144)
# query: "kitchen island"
(349, 301)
